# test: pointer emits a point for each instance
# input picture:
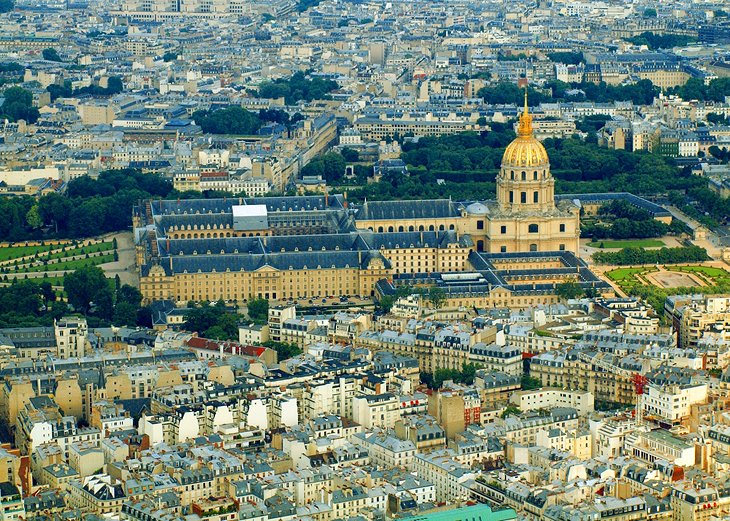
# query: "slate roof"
(391, 210)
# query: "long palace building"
(512, 251)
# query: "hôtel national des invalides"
(511, 251)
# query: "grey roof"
(389, 210)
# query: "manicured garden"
(641, 281)
(629, 243)
(37, 260)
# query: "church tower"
(524, 183)
(525, 217)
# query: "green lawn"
(705, 270)
(15, 252)
(71, 265)
(625, 274)
(81, 250)
(631, 243)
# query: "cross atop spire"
(525, 126)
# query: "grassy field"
(81, 250)
(708, 271)
(71, 264)
(717, 280)
(623, 274)
(51, 251)
(16, 252)
(633, 243)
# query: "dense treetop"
(296, 88)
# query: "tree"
(511, 410)
(226, 328)
(230, 120)
(201, 319)
(51, 55)
(88, 285)
(386, 303)
(530, 383)
(114, 85)
(284, 351)
(125, 314)
(144, 317)
(258, 310)
(437, 297)
(350, 155)
(296, 88)
(650, 12)
(47, 292)
(568, 290)
(130, 295)
(55, 209)
(18, 105)
(33, 217)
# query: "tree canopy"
(661, 41)
(331, 166)
(695, 89)
(89, 286)
(635, 256)
(230, 120)
(50, 54)
(296, 88)
(18, 105)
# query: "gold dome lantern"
(525, 151)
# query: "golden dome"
(525, 151)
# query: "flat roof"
(249, 210)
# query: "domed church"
(525, 217)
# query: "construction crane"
(640, 383)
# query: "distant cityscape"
(323, 260)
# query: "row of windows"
(523, 197)
(523, 176)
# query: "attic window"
(324, 249)
(337, 248)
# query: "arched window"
(390, 228)
(380, 229)
(400, 228)
(535, 176)
(535, 197)
(480, 245)
(533, 228)
(431, 228)
(524, 175)
(533, 247)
